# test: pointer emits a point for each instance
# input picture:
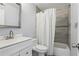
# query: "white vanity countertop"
(9, 42)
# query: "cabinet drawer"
(26, 52)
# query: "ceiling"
(43, 6)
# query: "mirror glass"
(10, 15)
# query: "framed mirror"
(10, 15)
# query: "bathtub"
(61, 49)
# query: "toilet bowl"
(41, 49)
(61, 49)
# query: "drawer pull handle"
(26, 52)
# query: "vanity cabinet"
(23, 48)
(15, 54)
(26, 52)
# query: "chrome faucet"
(11, 35)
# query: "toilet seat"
(40, 48)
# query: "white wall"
(73, 28)
(28, 19)
(27, 22)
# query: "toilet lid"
(41, 47)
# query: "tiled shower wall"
(61, 34)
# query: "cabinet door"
(26, 52)
(15, 54)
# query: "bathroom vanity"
(21, 46)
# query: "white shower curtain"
(40, 28)
(46, 28)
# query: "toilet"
(41, 49)
(61, 49)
